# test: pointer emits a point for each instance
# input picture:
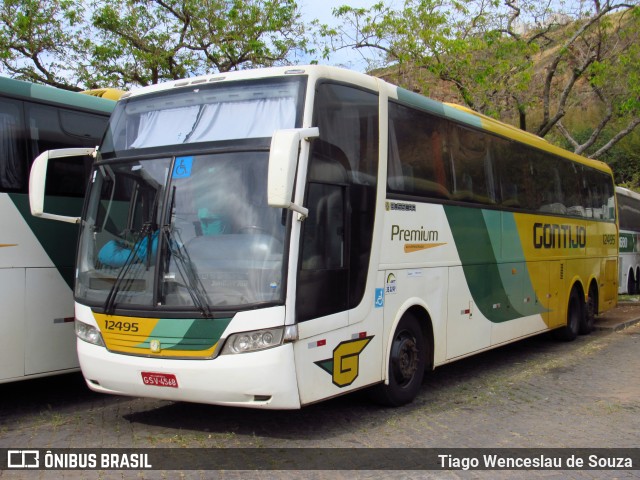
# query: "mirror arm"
(305, 134)
(302, 211)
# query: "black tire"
(631, 284)
(575, 313)
(407, 362)
(591, 310)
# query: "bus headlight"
(253, 341)
(88, 333)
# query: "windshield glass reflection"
(191, 233)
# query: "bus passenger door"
(322, 291)
(338, 350)
(330, 357)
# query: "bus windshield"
(180, 220)
(188, 232)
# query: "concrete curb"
(615, 326)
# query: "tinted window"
(12, 155)
(419, 164)
(438, 159)
(629, 210)
(340, 195)
(472, 166)
(52, 128)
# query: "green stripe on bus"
(187, 334)
(512, 252)
(51, 95)
(440, 109)
(59, 239)
(210, 329)
(628, 242)
(492, 285)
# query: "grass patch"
(629, 298)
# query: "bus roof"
(52, 95)
(627, 193)
(454, 112)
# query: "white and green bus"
(37, 258)
(629, 241)
(272, 238)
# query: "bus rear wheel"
(407, 361)
(589, 317)
(631, 284)
(575, 312)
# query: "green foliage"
(624, 159)
(122, 43)
(570, 76)
(35, 37)
(517, 61)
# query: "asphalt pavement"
(535, 393)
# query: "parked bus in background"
(272, 238)
(629, 241)
(37, 257)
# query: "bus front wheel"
(407, 361)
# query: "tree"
(123, 43)
(144, 41)
(520, 61)
(601, 54)
(36, 37)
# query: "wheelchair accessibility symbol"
(379, 298)
(182, 168)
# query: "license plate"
(160, 379)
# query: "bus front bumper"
(264, 379)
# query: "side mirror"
(283, 161)
(38, 181)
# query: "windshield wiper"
(176, 249)
(123, 278)
(190, 279)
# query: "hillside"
(602, 56)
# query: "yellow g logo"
(344, 365)
(155, 346)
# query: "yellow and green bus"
(271, 238)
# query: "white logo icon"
(23, 459)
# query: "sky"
(321, 9)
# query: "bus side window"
(12, 158)
(473, 179)
(323, 242)
(417, 164)
(323, 276)
(53, 128)
(571, 177)
(323, 235)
